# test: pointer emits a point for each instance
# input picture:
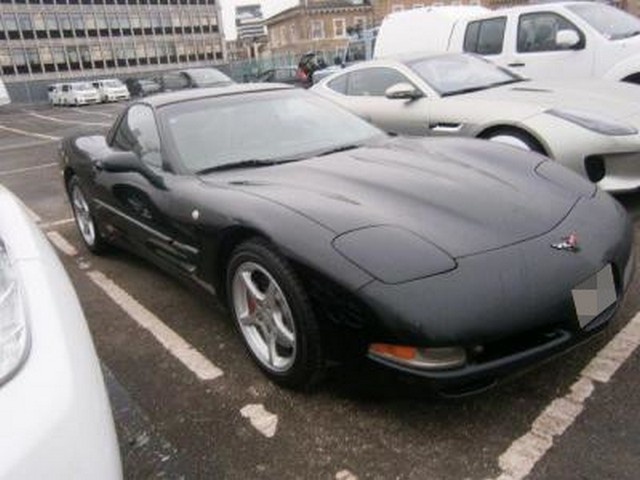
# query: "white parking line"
(174, 343)
(69, 122)
(345, 475)
(27, 169)
(91, 112)
(29, 134)
(62, 244)
(262, 420)
(523, 454)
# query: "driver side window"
(138, 133)
(374, 82)
(537, 32)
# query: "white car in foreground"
(111, 90)
(55, 418)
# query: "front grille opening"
(594, 165)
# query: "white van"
(4, 95)
(77, 93)
(111, 90)
(543, 41)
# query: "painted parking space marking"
(29, 134)
(523, 454)
(27, 169)
(261, 419)
(345, 475)
(170, 340)
(62, 244)
(91, 112)
(65, 121)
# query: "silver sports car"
(589, 126)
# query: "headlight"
(14, 333)
(392, 254)
(593, 122)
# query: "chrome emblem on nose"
(568, 243)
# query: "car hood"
(464, 195)
(612, 100)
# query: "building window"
(397, 8)
(24, 19)
(317, 29)
(339, 28)
(418, 5)
(283, 35)
(11, 26)
(293, 33)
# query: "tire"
(274, 316)
(515, 138)
(85, 221)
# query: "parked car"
(193, 78)
(54, 92)
(111, 90)
(316, 260)
(76, 93)
(287, 75)
(564, 40)
(54, 411)
(141, 87)
(4, 95)
(589, 126)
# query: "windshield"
(112, 83)
(264, 126)
(454, 74)
(208, 76)
(82, 86)
(612, 23)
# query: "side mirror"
(125, 161)
(567, 39)
(403, 91)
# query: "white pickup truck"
(544, 41)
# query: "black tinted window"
(485, 37)
(373, 82)
(175, 81)
(537, 31)
(138, 133)
(339, 84)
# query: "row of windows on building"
(15, 26)
(63, 58)
(109, 2)
(284, 35)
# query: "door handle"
(515, 64)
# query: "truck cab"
(544, 41)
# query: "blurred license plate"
(594, 295)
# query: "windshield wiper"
(251, 163)
(343, 148)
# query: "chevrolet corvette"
(456, 260)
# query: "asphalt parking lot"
(189, 403)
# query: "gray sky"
(269, 8)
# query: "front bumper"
(509, 308)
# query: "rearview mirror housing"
(568, 39)
(126, 161)
(403, 91)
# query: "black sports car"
(453, 259)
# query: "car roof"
(196, 93)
